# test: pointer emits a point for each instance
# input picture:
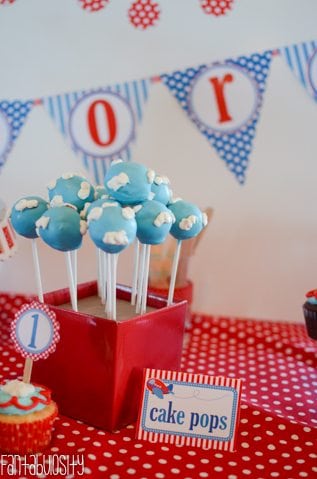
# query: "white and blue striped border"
(297, 58)
(59, 107)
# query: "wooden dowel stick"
(27, 370)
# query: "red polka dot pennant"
(6, 2)
(144, 14)
(93, 5)
(216, 7)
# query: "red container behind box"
(96, 371)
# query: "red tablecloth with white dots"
(277, 435)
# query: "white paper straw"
(104, 277)
(141, 276)
(100, 275)
(145, 278)
(36, 263)
(74, 264)
(174, 273)
(73, 295)
(114, 258)
(108, 308)
(135, 272)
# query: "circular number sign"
(223, 98)
(101, 124)
(312, 71)
(5, 134)
(35, 331)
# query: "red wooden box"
(96, 371)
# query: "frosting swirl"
(311, 296)
(19, 398)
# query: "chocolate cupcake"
(310, 313)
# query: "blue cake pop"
(25, 212)
(61, 228)
(101, 202)
(129, 182)
(154, 222)
(71, 189)
(161, 190)
(101, 192)
(189, 220)
(112, 228)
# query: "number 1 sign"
(35, 333)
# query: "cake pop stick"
(63, 229)
(73, 255)
(38, 277)
(174, 273)
(189, 221)
(154, 222)
(25, 212)
(145, 278)
(71, 280)
(135, 272)
(102, 202)
(114, 263)
(108, 296)
(140, 280)
(112, 228)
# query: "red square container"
(96, 371)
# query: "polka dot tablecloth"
(277, 434)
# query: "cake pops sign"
(232, 98)
(193, 409)
(101, 124)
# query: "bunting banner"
(224, 102)
(12, 118)
(222, 99)
(100, 125)
(302, 60)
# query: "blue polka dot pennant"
(224, 100)
(13, 115)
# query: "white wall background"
(259, 254)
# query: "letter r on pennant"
(218, 85)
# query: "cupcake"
(27, 413)
(310, 313)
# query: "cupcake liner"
(27, 437)
(311, 322)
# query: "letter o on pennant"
(312, 71)
(101, 124)
(223, 98)
(5, 135)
